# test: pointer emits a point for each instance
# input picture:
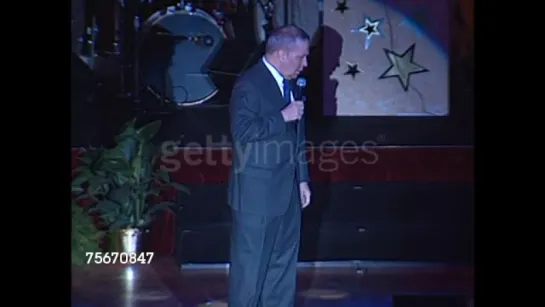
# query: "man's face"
(294, 60)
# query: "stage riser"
(338, 243)
(370, 203)
(372, 221)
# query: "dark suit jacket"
(269, 158)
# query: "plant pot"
(128, 240)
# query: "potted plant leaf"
(85, 236)
(122, 182)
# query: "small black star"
(370, 29)
(353, 70)
(341, 6)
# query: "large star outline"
(402, 66)
(370, 27)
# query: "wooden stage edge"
(348, 265)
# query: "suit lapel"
(269, 85)
(271, 89)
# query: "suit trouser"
(264, 252)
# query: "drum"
(175, 49)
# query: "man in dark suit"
(269, 178)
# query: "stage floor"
(374, 284)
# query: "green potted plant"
(85, 236)
(122, 181)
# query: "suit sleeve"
(247, 124)
(302, 167)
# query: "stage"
(370, 284)
(391, 223)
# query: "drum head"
(175, 52)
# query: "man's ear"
(282, 55)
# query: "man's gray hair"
(284, 38)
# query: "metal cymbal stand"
(129, 27)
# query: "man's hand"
(304, 191)
(293, 111)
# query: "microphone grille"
(301, 82)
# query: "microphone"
(301, 84)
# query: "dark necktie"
(287, 91)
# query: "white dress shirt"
(277, 76)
